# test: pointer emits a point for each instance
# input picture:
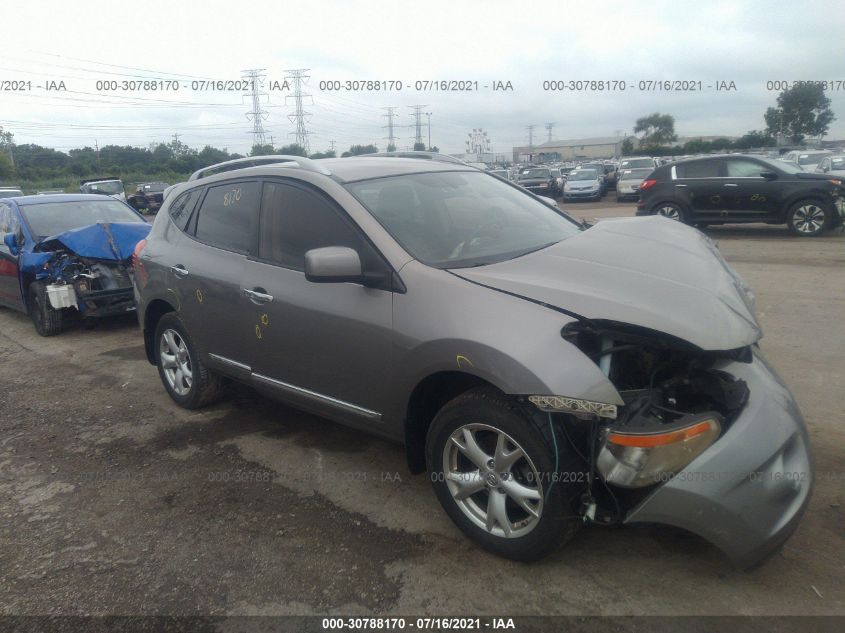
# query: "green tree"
(419, 147)
(329, 154)
(291, 150)
(656, 129)
(803, 110)
(263, 150)
(6, 168)
(754, 138)
(627, 146)
(391, 147)
(357, 150)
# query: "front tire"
(46, 319)
(182, 372)
(492, 464)
(808, 218)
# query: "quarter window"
(180, 210)
(294, 220)
(227, 214)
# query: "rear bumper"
(747, 492)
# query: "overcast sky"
(525, 43)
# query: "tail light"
(136, 255)
(648, 183)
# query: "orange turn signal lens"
(660, 439)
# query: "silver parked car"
(544, 374)
(628, 185)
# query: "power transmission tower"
(549, 127)
(255, 79)
(418, 124)
(391, 138)
(332, 143)
(300, 117)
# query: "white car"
(833, 165)
(628, 185)
(807, 160)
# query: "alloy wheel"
(175, 362)
(492, 480)
(669, 211)
(809, 218)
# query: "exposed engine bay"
(95, 288)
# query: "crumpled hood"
(650, 272)
(113, 241)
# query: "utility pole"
(418, 124)
(300, 117)
(391, 138)
(97, 147)
(549, 127)
(428, 114)
(332, 144)
(255, 79)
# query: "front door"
(750, 196)
(324, 346)
(10, 287)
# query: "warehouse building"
(573, 149)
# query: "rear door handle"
(731, 184)
(179, 270)
(258, 295)
(680, 185)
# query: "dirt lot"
(115, 501)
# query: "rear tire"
(182, 372)
(670, 210)
(47, 320)
(809, 218)
(491, 461)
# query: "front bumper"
(747, 492)
(588, 194)
(104, 303)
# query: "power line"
(300, 116)
(257, 115)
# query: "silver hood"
(650, 272)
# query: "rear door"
(10, 288)
(324, 346)
(750, 196)
(699, 184)
(208, 268)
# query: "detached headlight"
(566, 187)
(638, 458)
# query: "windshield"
(462, 219)
(52, 218)
(637, 162)
(155, 186)
(583, 174)
(635, 174)
(536, 173)
(812, 159)
(837, 163)
(110, 187)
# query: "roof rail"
(254, 161)
(435, 156)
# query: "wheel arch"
(811, 196)
(156, 309)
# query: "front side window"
(461, 219)
(226, 218)
(295, 220)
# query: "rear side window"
(180, 210)
(699, 169)
(295, 220)
(227, 215)
(744, 169)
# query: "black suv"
(539, 181)
(737, 188)
(148, 195)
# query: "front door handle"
(258, 295)
(680, 185)
(731, 184)
(179, 270)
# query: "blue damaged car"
(66, 254)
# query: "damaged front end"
(88, 269)
(708, 441)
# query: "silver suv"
(544, 374)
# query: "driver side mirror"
(11, 241)
(333, 264)
(769, 175)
